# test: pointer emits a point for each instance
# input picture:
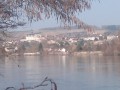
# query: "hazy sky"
(106, 12)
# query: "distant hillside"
(111, 28)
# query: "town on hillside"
(76, 42)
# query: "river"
(69, 72)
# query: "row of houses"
(38, 37)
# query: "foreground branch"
(43, 83)
(35, 9)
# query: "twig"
(9, 88)
(53, 85)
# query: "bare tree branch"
(43, 83)
(63, 10)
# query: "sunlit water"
(69, 72)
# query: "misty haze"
(59, 45)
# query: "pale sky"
(107, 12)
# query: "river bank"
(83, 53)
(58, 53)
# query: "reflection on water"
(70, 73)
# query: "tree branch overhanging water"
(42, 84)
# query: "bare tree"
(63, 10)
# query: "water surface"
(69, 72)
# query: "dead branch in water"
(43, 83)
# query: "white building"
(62, 50)
(111, 37)
(32, 37)
(72, 40)
(51, 42)
(89, 38)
